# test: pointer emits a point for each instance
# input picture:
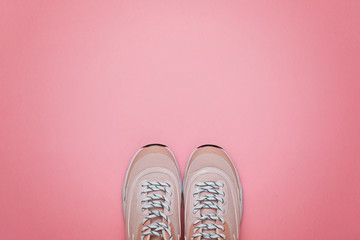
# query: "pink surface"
(84, 84)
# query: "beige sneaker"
(212, 195)
(152, 195)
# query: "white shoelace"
(155, 200)
(209, 201)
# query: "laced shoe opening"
(156, 226)
(208, 204)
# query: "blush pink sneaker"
(152, 195)
(212, 195)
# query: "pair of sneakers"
(153, 193)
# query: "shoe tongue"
(164, 233)
(156, 238)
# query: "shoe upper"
(212, 196)
(152, 195)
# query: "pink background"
(84, 84)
